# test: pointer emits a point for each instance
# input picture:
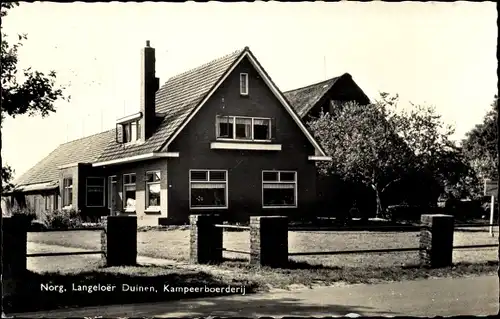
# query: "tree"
(480, 147)
(379, 145)
(364, 145)
(32, 92)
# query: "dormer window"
(244, 83)
(131, 132)
(128, 128)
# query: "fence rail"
(475, 246)
(69, 253)
(359, 251)
(64, 229)
(232, 226)
(236, 251)
(475, 225)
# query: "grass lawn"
(173, 244)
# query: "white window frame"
(128, 127)
(103, 190)
(110, 183)
(65, 196)
(244, 90)
(152, 208)
(295, 183)
(252, 134)
(208, 181)
(124, 200)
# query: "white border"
(296, 199)
(208, 181)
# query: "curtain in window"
(278, 186)
(208, 185)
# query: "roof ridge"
(206, 63)
(84, 137)
(314, 84)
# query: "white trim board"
(137, 158)
(244, 146)
(319, 158)
(246, 53)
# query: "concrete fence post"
(205, 245)
(119, 240)
(436, 240)
(14, 250)
(269, 241)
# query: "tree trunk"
(380, 211)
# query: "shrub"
(406, 212)
(61, 219)
(27, 213)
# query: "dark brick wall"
(244, 167)
(119, 240)
(436, 238)
(269, 241)
(205, 243)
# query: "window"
(47, 203)
(208, 189)
(131, 131)
(129, 192)
(244, 84)
(243, 128)
(111, 191)
(67, 192)
(225, 126)
(279, 189)
(153, 189)
(95, 191)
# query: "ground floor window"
(95, 191)
(279, 189)
(129, 192)
(67, 192)
(208, 189)
(153, 189)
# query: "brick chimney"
(149, 85)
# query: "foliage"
(380, 145)
(61, 219)
(31, 92)
(480, 147)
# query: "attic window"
(244, 83)
(131, 131)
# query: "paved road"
(432, 297)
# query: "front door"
(112, 192)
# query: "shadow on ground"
(227, 306)
(133, 284)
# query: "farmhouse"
(220, 138)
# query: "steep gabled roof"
(175, 100)
(238, 56)
(304, 98)
(83, 150)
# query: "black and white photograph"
(249, 159)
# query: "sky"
(442, 54)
